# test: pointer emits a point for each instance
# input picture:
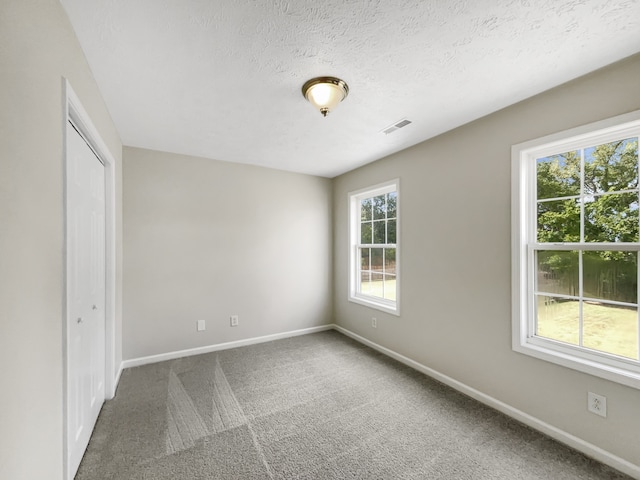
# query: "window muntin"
(374, 247)
(576, 243)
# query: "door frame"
(75, 113)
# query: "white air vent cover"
(399, 124)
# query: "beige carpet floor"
(318, 406)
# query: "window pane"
(365, 283)
(379, 234)
(611, 329)
(558, 175)
(611, 275)
(558, 319)
(390, 260)
(391, 231)
(392, 201)
(377, 285)
(365, 233)
(557, 272)
(365, 209)
(611, 167)
(559, 221)
(365, 254)
(390, 287)
(377, 259)
(379, 207)
(611, 218)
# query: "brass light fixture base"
(325, 93)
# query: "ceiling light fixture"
(325, 93)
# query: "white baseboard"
(136, 362)
(583, 446)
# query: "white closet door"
(85, 294)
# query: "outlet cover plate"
(597, 404)
(201, 325)
(233, 320)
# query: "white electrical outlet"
(201, 325)
(374, 322)
(234, 320)
(597, 404)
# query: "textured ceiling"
(221, 78)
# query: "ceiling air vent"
(392, 128)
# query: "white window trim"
(522, 268)
(354, 221)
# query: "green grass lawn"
(375, 289)
(607, 328)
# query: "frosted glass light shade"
(325, 93)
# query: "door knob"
(94, 308)
(79, 320)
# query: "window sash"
(384, 274)
(533, 292)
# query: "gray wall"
(205, 239)
(37, 48)
(456, 260)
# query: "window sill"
(372, 303)
(608, 371)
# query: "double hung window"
(575, 249)
(374, 272)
